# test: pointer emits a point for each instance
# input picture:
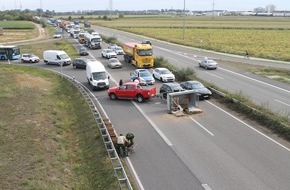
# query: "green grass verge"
(60, 44)
(17, 25)
(49, 139)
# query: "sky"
(76, 5)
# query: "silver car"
(114, 63)
(208, 64)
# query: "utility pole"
(213, 9)
(183, 20)
(111, 8)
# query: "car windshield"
(110, 51)
(96, 40)
(197, 85)
(118, 48)
(99, 76)
(144, 74)
(144, 52)
(210, 61)
(114, 60)
(64, 56)
(165, 71)
(177, 88)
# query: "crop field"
(264, 37)
(17, 30)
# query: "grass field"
(263, 37)
(47, 142)
(17, 30)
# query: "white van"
(56, 57)
(97, 75)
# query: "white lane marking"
(282, 102)
(153, 125)
(172, 58)
(214, 75)
(258, 81)
(202, 126)
(135, 174)
(206, 186)
(249, 126)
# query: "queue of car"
(142, 77)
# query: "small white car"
(57, 35)
(118, 50)
(208, 64)
(108, 53)
(29, 58)
(163, 74)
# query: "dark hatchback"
(80, 63)
(201, 90)
(169, 88)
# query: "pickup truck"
(132, 90)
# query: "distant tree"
(69, 18)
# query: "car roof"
(141, 70)
(113, 58)
(172, 84)
(82, 58)
(161, 68)
(192, 81)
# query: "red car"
(132, 90)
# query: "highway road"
(213, 150)
(261, 90)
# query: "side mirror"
(108, 77)
(91, 79)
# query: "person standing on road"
(121, 141)
(130, 141)
(246, 54)
(120, 82)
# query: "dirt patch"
(29, 81)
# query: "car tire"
(140, 98)
(161, 79)
(113, 96)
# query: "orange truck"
(140, 55)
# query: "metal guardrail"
(119, 170)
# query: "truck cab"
(140, 55)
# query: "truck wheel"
(113, 96)
(140, 98)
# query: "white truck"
(93, 41)
(56, 57)
(97, 75)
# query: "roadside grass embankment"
(60, 44)
(49, 139)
